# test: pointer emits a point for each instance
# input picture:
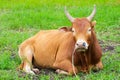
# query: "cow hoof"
(61, 72)
(31, 72)
(36, 71)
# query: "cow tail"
(20, 67)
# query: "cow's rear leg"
(65, 67)
(36, 70)
(26, 55)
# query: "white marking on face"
(73, 30)
(86, 47)
(89, 31)
(79, 45)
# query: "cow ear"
(65, 29)
(93, 24)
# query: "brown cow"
(54, 48)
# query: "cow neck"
(82, 60)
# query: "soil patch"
(106, 47)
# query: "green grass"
(21, 19)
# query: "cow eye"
(73, 30)
(89, 30)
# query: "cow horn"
(92, 14)
(68, 15)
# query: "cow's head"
(82, 29)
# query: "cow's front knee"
(98, 66)
(66, 66)
(61, 72)
(70, 72)
(73, 70)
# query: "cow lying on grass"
(54, 48)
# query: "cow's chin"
(80, 49)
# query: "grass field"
(21, 19)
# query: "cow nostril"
(77, 44)
(84, 44)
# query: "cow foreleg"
(61, 72)
(98, 66)
(65, 67)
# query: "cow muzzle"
(81, 46)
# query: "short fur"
(54, 49)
